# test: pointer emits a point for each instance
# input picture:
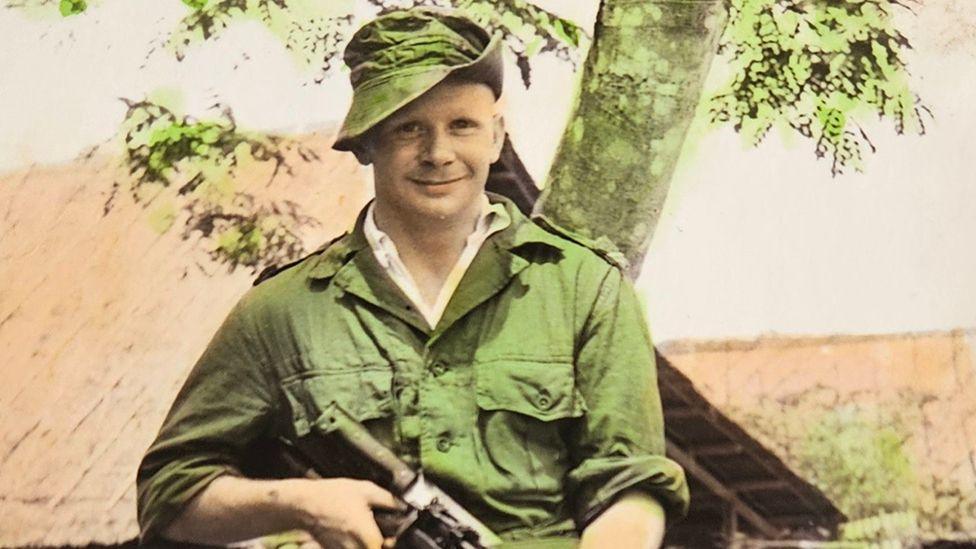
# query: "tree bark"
(642, 81)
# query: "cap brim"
(372, 104)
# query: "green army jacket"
(533, 402)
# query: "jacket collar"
(341, 251)
(352, 267)
(521, 232)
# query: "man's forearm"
(233, 508)
(337, 512)
(635, 521)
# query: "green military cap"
(398, 56)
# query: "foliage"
(72, 7)
(901, 526)
(315, 30)
(945, 508)
(860, 462)
(249, 234)
(858, 454)
(941, 509)
(311, 29)
(195, 163)
(816, 67)
(66, 8)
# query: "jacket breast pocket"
(365, 393)
(524, 407)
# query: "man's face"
(430, 159)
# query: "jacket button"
(444, 444)
(544, 401)
(438, 368)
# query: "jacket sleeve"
(224, 405)
(620, 440)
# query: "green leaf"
(817, 66)
(196, 4)
(569, 35)
(72, 7)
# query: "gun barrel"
(362, 441)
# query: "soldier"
(506, 358)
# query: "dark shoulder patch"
(602, 246)
(272, 270)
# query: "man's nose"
(438, 149)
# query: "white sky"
(753, 240)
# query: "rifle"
(340, 446)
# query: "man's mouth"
(435, 180)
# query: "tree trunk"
(642, 81)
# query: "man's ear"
(497, 136)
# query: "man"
(507, 361)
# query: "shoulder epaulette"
(273, 270)
(602, 246)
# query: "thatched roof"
(100, 319)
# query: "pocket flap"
(363, 393)
(543, 390)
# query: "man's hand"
(635, 521)
(339, 512)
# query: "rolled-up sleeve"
(224, 405)
(620, 441)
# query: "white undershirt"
(493, 218)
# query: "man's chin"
(439, 211)
(442, 207)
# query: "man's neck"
(428, 248)
(435, 237)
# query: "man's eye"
(464, 124)
(408, 129)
